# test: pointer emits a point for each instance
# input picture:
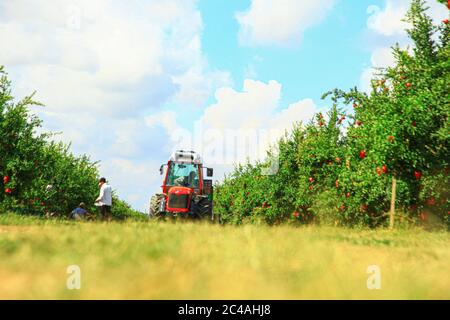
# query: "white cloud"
(251, 70)
(195, 88)
(240, 125)
(280, 22)
(257, 106)
(386, 23)
(302, 110)
(101, 67)
(166, 119)
(109, 51)
(247, 109)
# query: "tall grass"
(145, 260)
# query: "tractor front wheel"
(155, 205)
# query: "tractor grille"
(178, 201)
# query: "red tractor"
(184, 191)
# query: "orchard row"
(340, 168)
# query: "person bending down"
(79, 212)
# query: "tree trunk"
(393, 194)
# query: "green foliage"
(340, 170)
(39, 176)
(123, 211)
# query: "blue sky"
(331, 54)
(129, 82)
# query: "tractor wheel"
(155, 204)
(203, 210)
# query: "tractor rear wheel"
(155, 205)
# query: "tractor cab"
(184, 190)
(184, 175)
(184, 169)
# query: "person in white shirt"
(104, 200)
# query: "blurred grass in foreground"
(146, 260)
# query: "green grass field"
(146, 260)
